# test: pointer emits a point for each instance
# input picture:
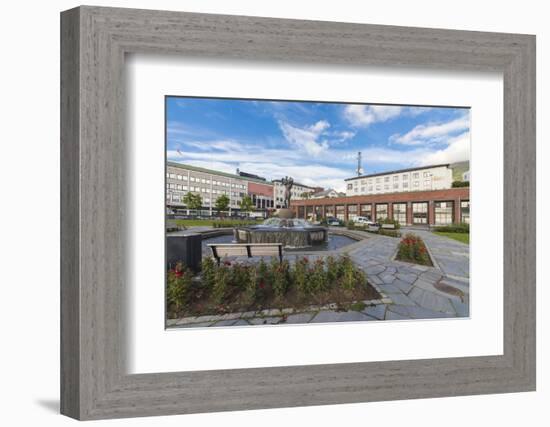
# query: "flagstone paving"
(410, 291)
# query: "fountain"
(292, 233)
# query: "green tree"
(192, 201)
(246, 204)
(457, 184)
(222, 203)
(305, 195)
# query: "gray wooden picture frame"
(94, 41)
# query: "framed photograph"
(262, 213)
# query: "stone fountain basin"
(290, 237)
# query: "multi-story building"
(298, 192)
(426, 178)
(211, 184)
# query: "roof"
(215, 172)
(398, 171)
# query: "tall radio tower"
(359, 168)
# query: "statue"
(288, 182)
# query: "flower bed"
(412, 249)
(235, 287)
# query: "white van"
(363, 220)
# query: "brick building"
(435, 207)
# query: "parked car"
(363, 220)
(333, 221)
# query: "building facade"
(297, 192)
(326, 193)
(211, 184)
(423, 208)
(436, 177)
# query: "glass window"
(396, 178)
(465, 211)
(173, 175)
(416, 183)
(387, 179)
(400, 212)
(381, 211)
(386, 187)
(405, 176)
(420, 213)
(427, 174)
(443, 213)
(366, 211)
(405, 185)
(370, 187)
(395, 186)
(378, 179)
(340, 212)
(427, 183)
(350, 186)
(378, 187)
(416, 175)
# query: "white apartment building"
(426, 178)
(181, 179)
(297, 192)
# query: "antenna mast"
(359, 168)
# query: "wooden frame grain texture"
(94, 41)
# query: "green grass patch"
(461, 237)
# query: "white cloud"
(306, 139)
(365, 115)
(431, 133)
(458, 150)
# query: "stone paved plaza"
(409, 291)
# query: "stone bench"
(222, 250)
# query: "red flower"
(261, 285)
(227, 263)
(179, 273)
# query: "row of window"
(443, 212)
(395, 178)
(204, 181)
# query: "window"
(378, 179)
(396, 178)
(387, 179)
(405, 176)
(420, 213)
(365, 210)
(378, 188)
(381, 211)
(400, 212)
(363, 189)
(172, 175)
(192, 179)
(340, 212)
(427, 174)
(350, 186)
(416, 175)
(443, 213)
(179, 177)
(465, 211)
(427, 183)
(386, 187)
(370, 187)
(405, 185)
(395, 186)
(416, 183)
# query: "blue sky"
(315, 143)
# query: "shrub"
(178, 286)
(350, 225)
(208, 268)
(251, 285)
(300, 276)
(318, 277)
(348, 273)
(412, 249)
(280, 278)
(221, 282)
(462, 227)
(457, 184)
(390, 221)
